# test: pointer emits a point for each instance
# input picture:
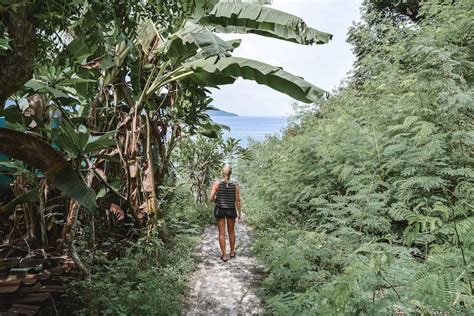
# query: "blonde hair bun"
(226, 171)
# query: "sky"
(322, 65)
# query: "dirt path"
(224, 288)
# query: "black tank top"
(225, 197)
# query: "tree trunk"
(17, 65)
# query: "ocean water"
(255, 127)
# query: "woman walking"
(226, 195)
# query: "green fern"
(381, 174)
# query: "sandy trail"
(224, 288)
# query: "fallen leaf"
(117, 211)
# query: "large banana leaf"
(228, 17)
(30, 196)
(41, 155)
(209, 79)
(229, 68)
(202, 6)
(194, 40)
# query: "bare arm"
(237, 200)
(215, 187)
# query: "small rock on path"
(224, 288)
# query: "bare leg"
(221, 226)
(230, 229)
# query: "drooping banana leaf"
(271, 76)
(194, 40)
(213, 80)
(228, 17)
(41, 155)
(202, 6)
(30, 196)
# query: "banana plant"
(156, 65)
(234, 17)
(135, 72)
(194, 52)
(41, 155)
(206, 59)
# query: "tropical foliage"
(150, 275)
(366, 205)
(200, 161)
(103, 93)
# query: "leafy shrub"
(149, 277)
(365, 205)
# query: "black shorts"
(225, 212)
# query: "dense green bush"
(149, 276)
(366, 204)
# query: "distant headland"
(218, 112)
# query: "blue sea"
(255, 127)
